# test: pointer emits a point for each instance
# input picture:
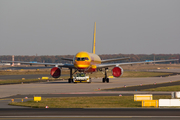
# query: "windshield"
(81, 59)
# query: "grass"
(144, 74)
(86, 102)
(4, 82)
(169, 88)
(150, 66)
(132, 74)
(28, 72)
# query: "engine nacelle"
(117, 71)
(55, 72)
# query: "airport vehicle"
(85, 62)
(81, 77)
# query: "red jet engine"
(117, 71)
(55, 72)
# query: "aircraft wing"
(39, 63)
(131, 63)
(69, 59)
(115, 59)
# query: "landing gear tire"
(103, 80)
(70, 80)
(107, 80)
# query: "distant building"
(17, 63)
(5, 63)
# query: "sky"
(65, 27)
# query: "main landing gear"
(105, 79)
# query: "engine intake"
(117, 71)
(55, 72)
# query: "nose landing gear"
(70, 80)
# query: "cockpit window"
(81, 59)
(86, 58)
(78, 59)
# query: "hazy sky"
(61, 27)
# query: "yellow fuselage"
(86, 62)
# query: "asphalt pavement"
(92, 118)
(90, 112)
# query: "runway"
(122, 113)
(94, 118)
(90, 112)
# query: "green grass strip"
(168, 88)
(18, 81)
(87, 102)
(133, 74)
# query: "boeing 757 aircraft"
(86, 62)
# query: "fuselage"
(86, 62)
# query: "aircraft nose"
(82, 64)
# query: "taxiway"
(63, 87)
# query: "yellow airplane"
(86, 62)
